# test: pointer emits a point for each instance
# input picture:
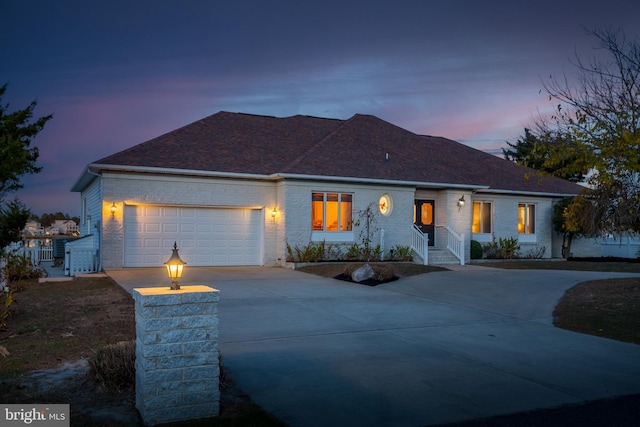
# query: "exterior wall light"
(175, 266)
(274, 213)
(461, 202)
(114, 208)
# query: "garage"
(205, 236)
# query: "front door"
(423, 218)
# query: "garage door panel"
(205, 236)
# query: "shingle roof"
(361, 147)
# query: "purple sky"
(117, 73)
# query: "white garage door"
(205, 236)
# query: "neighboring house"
(236, 189)
(33, 228)
(51, 230)
(66, 226)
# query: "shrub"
(476, 250)
(536, 252)
(506, 248)
(6, 300)
(113, 366)
(19, 267)
(312, 252)
(401, 253)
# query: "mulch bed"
(368, 282)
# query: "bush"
(401, 253)
(312, 252)
(356, 252)
(6, 300)
(504, 248)
(113, 366)
(21, 268)
(536, 252)
(476, 250)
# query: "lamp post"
(175, 265)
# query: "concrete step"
(442, 257)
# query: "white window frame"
(528, 237)
(483, 236)
(332, 235)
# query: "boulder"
(363, 273)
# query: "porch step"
(442, 257)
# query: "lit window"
(331, 211)
(482, 218)
(526, 219)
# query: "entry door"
(423, 218)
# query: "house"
(236, 189)
(66, 226)
(33, 228)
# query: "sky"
(117, 73)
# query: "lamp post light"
(175, 266)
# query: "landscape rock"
(363, 273)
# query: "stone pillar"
(177, 368)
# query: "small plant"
(536, 252)
(6, 300)
(368, 219)
(508, 247)
(19, 268)
(491, 250)
(476, 250)
(401, 253)
(113, 366)
(312, 252)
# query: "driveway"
(424, 350)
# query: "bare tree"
(599, 108)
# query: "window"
(526, 218)
(331, 211)
(482, 222)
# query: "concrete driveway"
(425, 350)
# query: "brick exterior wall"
(292, 199)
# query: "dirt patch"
(605, 308)
(401, 269)
(56, 326)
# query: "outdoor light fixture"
(461, 201)
(114, 208)
(175, 265)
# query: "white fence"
(35, 250)
(80, 257)
(624, 247)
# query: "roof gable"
(362, 147)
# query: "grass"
(57, 321)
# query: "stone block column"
(177, 368)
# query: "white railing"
(455, 244)
(37, 252)
(419, 243)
